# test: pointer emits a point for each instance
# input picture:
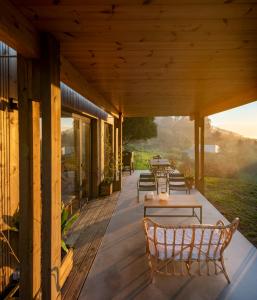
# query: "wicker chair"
(171, 247)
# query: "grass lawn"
(141, 157)
(235, 198)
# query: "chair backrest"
(127, 157)
(177, 177)
(147, 177)
(157, 156)
(188, 242)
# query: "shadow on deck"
(120, 269)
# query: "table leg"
(193, 212)
(201, 215)
(144, 211)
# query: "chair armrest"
(220, 223)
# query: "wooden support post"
(116, 185)
(78, 162)
(119, 126)
(202, 155)
(197, 151)
(51, 167)
(30, 184)
(95, 167)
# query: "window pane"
(70, 160)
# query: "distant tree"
(138, 129)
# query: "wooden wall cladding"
(9, 162)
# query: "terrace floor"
(120, 269)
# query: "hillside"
(175, 135)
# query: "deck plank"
(86, 237)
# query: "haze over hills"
(175, 135)
(178, 132)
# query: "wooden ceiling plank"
(121, 2)
(17, 31)
(146, 12)
(167, 57)
(75, 24)
(75, 80)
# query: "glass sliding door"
(76, 160)
(70, 161)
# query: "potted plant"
(10, 237)
(106, 186)
(66, 250)
(189, 178)
(66, 223)
(173, 165)
(189, 181)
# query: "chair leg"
(152, 277)
(138, 196)
(224, 270)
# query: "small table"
(162, 162)
(175, 201)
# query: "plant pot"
(106, 189)
(66, 266)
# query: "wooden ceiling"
(158, 57)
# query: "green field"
(235, 198)
(141, 157)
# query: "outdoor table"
(174, 201)
(162, 162)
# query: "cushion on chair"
(172, 238)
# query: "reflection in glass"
(70, 159)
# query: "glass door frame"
(78, 139)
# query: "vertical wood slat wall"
(9, 162)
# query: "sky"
(242, 120)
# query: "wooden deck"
(86, 236)
(120, 270)
(110, 260)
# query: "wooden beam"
(118, 151)
(202, 155)
(51, 167)
(225, 104)
(17, 31)
(196, 151)
(74, 79)
(95, 161)
(116, 185)
(30, 184)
